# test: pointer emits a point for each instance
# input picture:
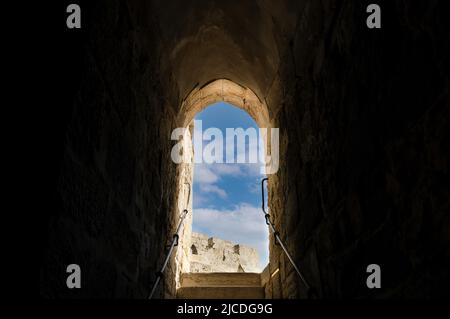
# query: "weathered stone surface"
(221, 280)
(210, 254)
(221, 286)
(221, 293)
(363, 117)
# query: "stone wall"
(363, 117)
(210, 254)
(181, 262)
(364, 125)
(115, 209)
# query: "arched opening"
(218, 91)
(226, 91)
(363, 121)
(228, 223)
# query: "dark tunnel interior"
(364, 140)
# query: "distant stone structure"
(210, 254)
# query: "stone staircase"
(220, 286)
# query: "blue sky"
(227, 197)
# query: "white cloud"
(204, 175)
(211, 173)
(206, 180)
(208, 176)
(227, 169)
(245, 224)
(211, 188)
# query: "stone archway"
(196, 101)
(227, 91)
(362, 140)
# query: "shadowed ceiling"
(207, 40)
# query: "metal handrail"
(174, 243)
(278, 239)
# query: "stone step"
(220, 280)
(220, 293)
